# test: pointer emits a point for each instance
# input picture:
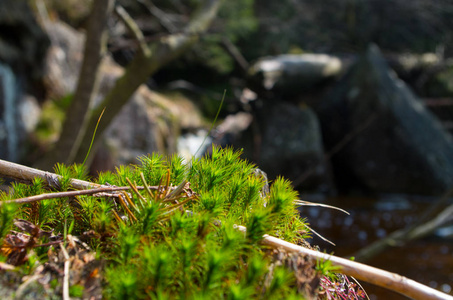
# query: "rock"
(63, 59)
(19, 115)
(232, 128)
(382, 137)
(286, 140)
(23, 43)
(289, 75)
(9, 127)
(149, 122)
(142, 127)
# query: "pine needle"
(212, 125)
(307, 203)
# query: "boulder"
(380, 134)
(63, 59)
(289, 75)
(285, 139)
(149, 122)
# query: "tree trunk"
(87, 87)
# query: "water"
(428, 260)
(193, 144)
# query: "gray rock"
(9, 127)
(149, 122)
(19, 115)
(286, 140)
(140, 128)
(289, 75)
(390, 141)
(63, 60)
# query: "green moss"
(179, 244)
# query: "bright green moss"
(181, 246)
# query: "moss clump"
(174, 236)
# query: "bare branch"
(133, 28)
(160, 15)
(234, 52)
(27, 174)
(65, 194)
(434, 218)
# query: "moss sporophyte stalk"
(168, 234)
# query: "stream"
(428, 260)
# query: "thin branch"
(388, 280)
(64, 194)
(320, 236)
(307, 203)
(164, 20)
(5, 266)
(234, 52)
(133, 28)
(433, 218)
(26, 174)
(402, 236)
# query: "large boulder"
(381, 136)
(285, 139)
(289, 75)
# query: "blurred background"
(352, 100)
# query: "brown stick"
(388, 280)
(65, 194)
(133, 28)
(27, 174)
